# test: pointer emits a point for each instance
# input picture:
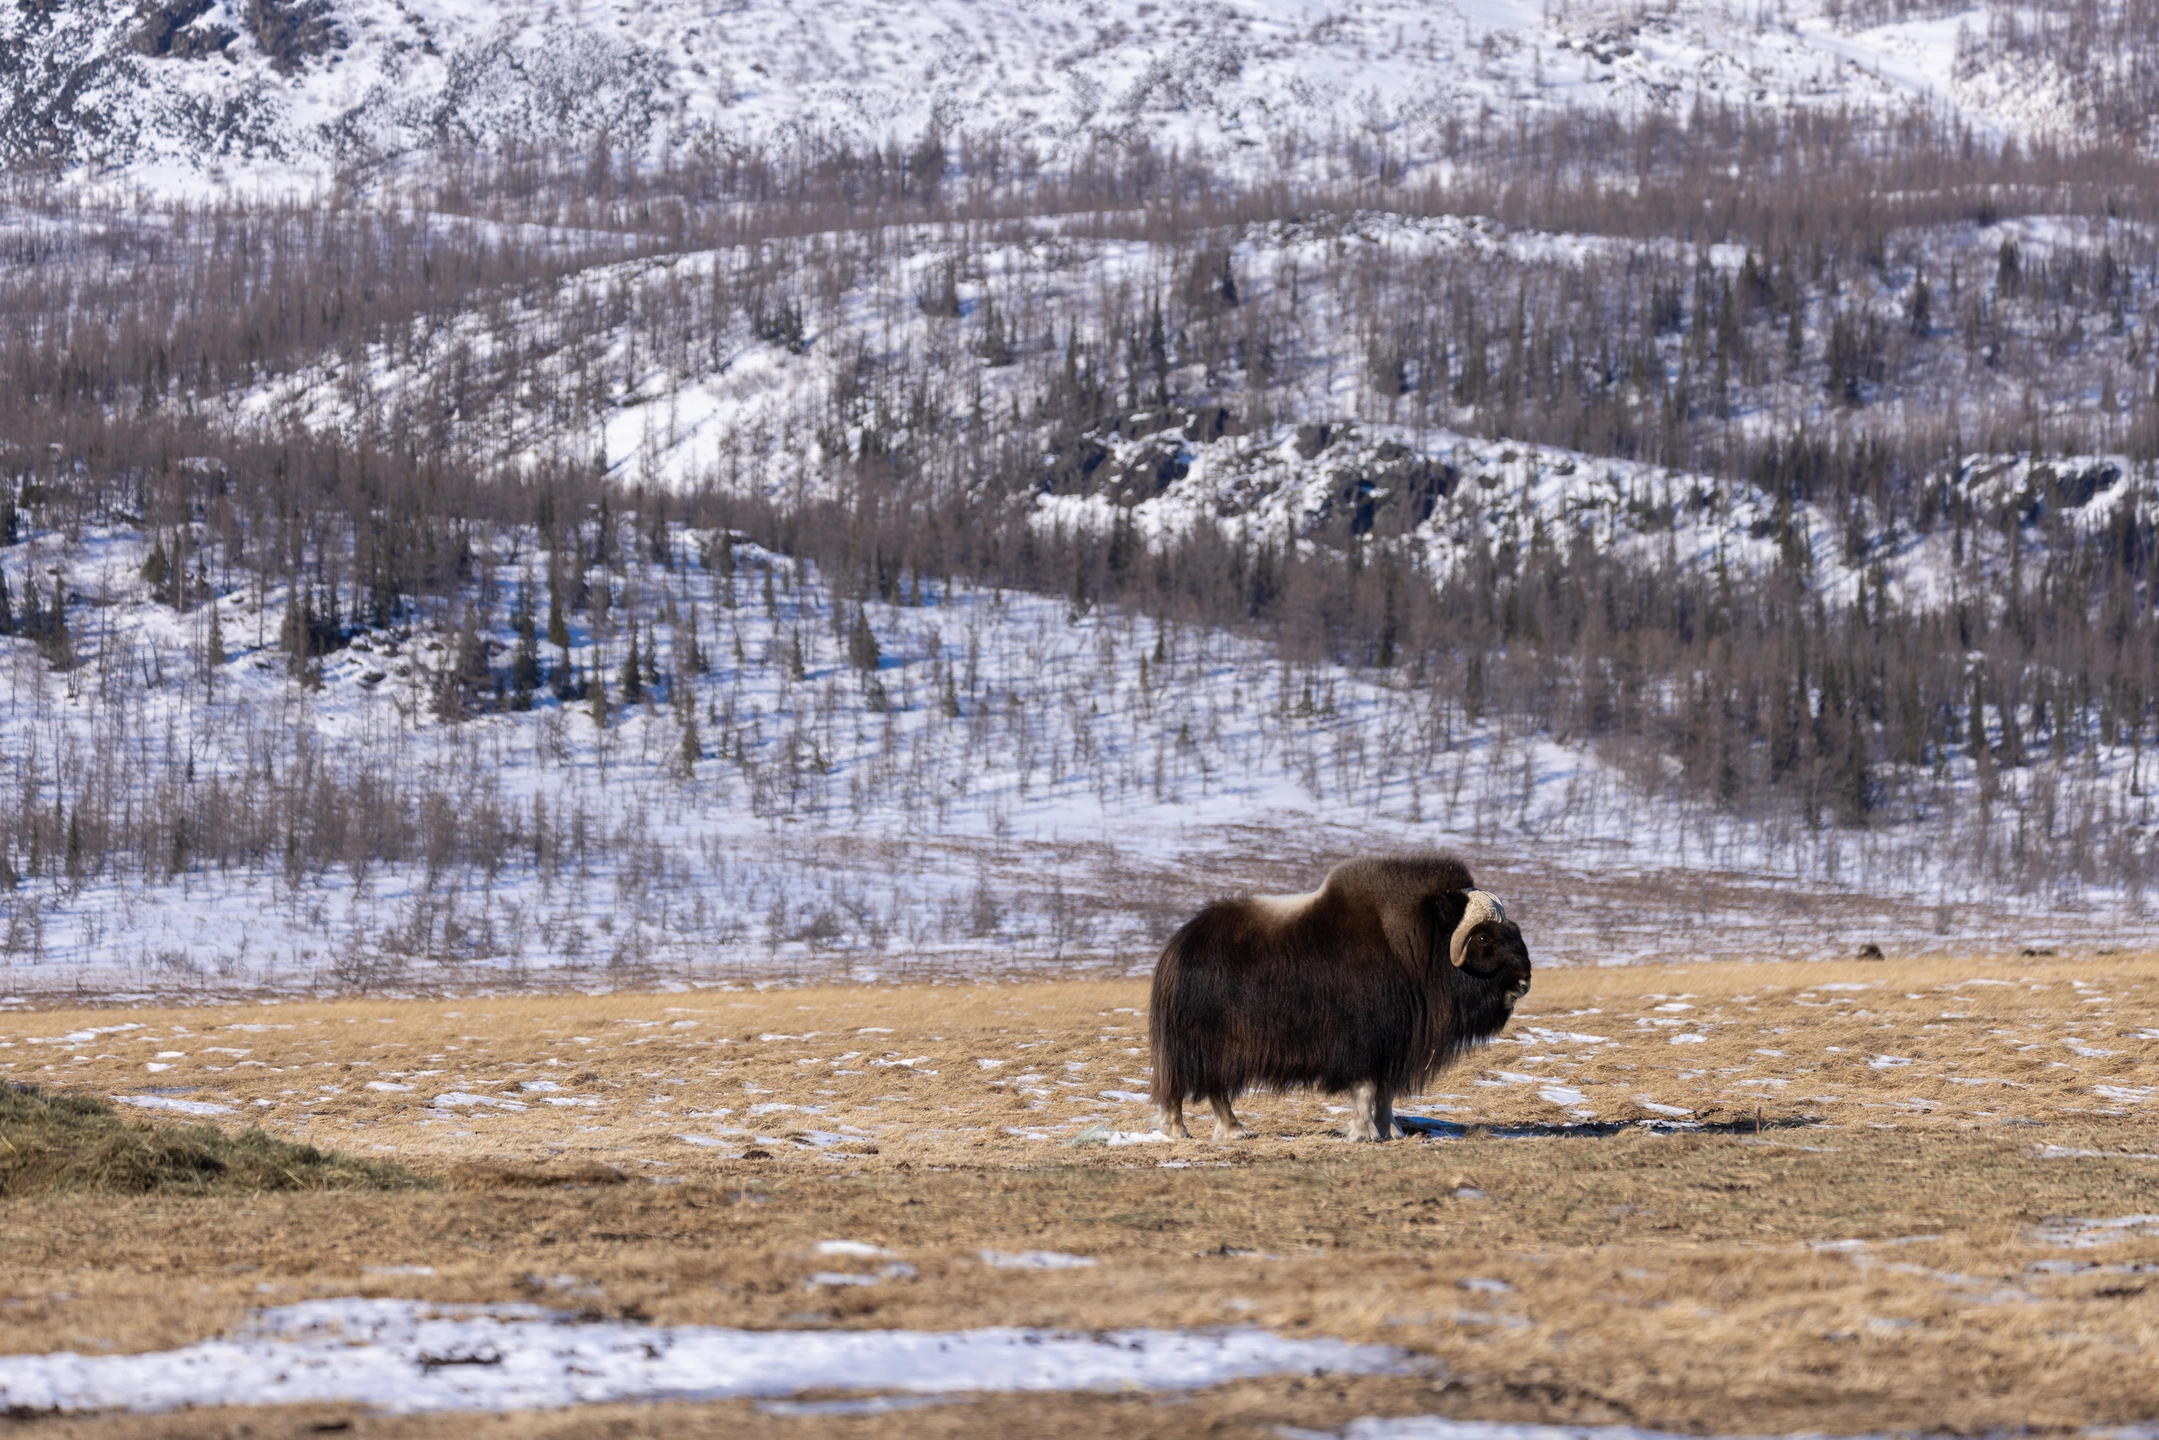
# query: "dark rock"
(1415, 484)
(2077, 488)
(200, 44)
(1212, 422)
(1073, 462)
(1354, 499)
(1151, 422)
(291, 32)
(1148, 474)
(1311, 439)
(164, 30)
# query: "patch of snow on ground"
(2080, 1233)
(1035, 1260)
(167, 1102)
(405, 1357)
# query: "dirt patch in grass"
(80, 1144)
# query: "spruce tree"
(727, 571)
(558, 629)
(54, 637)
(695, 660)
(157, 568)
(862, 651)
(213, 651)
(525, 666)
(693, 748)
(632, 678)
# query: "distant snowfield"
(1230, 78)
(405, 1357)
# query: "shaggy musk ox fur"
(1370, 984)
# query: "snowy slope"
(749, 414)
(1025, 790)
(177, 87)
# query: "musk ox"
(1370, 984)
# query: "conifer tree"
(862, 651)
(693, 748)
(558, 629)
(632, 678)
(525, 664)
(695, 660)
(157, 568)
(54, 638)
(213, 650)
(724, 566)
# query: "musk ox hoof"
(1237, 1132)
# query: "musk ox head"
(1487, 947)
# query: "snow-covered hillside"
(694, 389)
(952, 782)
(288, 90)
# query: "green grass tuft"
(79, 1144)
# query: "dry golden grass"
(1888, 1251)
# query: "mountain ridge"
(172, 90)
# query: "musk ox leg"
(1169, 1119)
(1226, 1124)
(1371, 1113)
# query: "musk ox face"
(1494, 956)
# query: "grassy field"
(1767, 1198)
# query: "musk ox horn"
(1483, 905)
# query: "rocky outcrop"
(170, 30)
(292, 32)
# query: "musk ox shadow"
(1369, 985)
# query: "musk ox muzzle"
(1369, 985)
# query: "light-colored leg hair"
(1371, 1113)
(1226, 1124)
(1169, 1119)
